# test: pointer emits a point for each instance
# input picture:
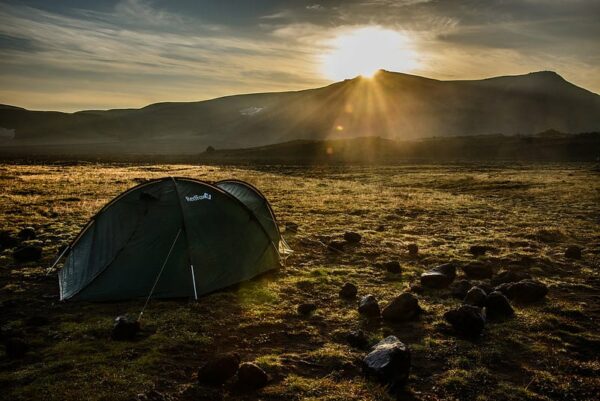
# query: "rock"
(509, 276)
(16, 348)
(439, 277)
(573, 252)
(478, 270)
(497, 306)
(125, 328)
(291, 227)
(306, 309)
(369, 306)
(476, 297)
(391, 266)
(7, 240)
(380, 228)
(352, 237)
(348, 291)
(402, 308)
(388, 362)
(416, 288)
(336, 246)
(26, 234)
(524, 291)
(460, 288)
(27, 253)
(484, 285)
(479, 250)
(357, 339)
(251, 376)
(219, 369)
(467, 320)
(413, 249)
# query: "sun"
(364, 51)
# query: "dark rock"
(460, 288)
(479, 250)
(497, 306)
(413, 249)
(7, 240)
(404, 307)
(391, 266)
(467, 320)
(357, 339)
(336, 246)
(484, 285)
(476, 297)
(348, 290)
(28, 233)
(439, 277)
(416, 288)
(27, 253)
(504, 288)
(573, 252)
(524, 291)
(352, 238)
(509, 276)
(219, 369)
(37, 321)
(251, 376)
(369, 306)
(125, 328)
(478, 270)
(16, 348)
(291, 227)
(380, 228)
(388, 362)
(306, 309)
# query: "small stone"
(573, 252)
(439, 277)
(336, 246)
(348, 291)
(391, 266)
(27, 253)
(524, 291)
(479, 250)
(380, 228)
(476, 297)
(357, 339)
(352, 237)
(413, 249)
(467, 320)
(306, 309)
(26, 234)
(388, 362)
(16, 348)
(497, 306)
(460, 288)
(219, 369)
(369, 306)
(251, 376)
(509, 276)
(484, 285)
(478, 270)
(402, 308)
(125, 328)
(291, 227)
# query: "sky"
(94, 54)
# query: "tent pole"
(194, 282)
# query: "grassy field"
(528, 214)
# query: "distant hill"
(390, 105)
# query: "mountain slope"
(391, 105)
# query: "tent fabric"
(213, 238)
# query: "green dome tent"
(172, 237)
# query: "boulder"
(460, 288)
(348, 291)
(251, 376)
(7, 240)
(352, 238)
(219, 369)
(306, 309)
(27, 233)
(573, 252)
(336, 246)
(484, 285)
(509, 276)
(402, 308)
(392, 266)
(479, 250)
(291, 227)
(27, 253)
(388, 362)
(439, 277)
(467, 320)
(413, 249)
(478, 270)
(369, 306)
(524, 291)
(125, 328)
(497, 306)
(476, 297)
(16, 348)
(357, 339)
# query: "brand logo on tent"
(196, 198)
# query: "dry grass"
(527, 213)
